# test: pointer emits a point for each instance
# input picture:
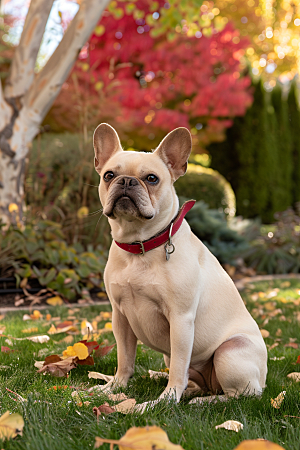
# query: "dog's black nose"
(128, 182)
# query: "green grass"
(54, 421)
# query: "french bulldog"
(165, 287)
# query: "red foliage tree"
(145, 86)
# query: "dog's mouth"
(125, 205)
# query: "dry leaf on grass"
(38, 339)
(103, 351)
(100, 376)
(265, 333)
(5, 349)
(276, 402)
(60, 368)
(292, 345)
(138, 438)
(36, 315)
(126, 407)
(103, 410)
(232, 425)
(258, 444)
(298, 360)
(55, 301)
(116, 397)
(294, 376)
(10, 425)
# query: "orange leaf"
(258, 444)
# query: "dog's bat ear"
(175, 150)
(106, 143)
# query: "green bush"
(200, 183)
(41, 252)
(277, 251)
(212, 228)
(60, 181)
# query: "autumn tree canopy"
(147, 84)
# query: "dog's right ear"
(106, 143)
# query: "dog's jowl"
(165, 286)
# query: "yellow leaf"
(276, 402)
(294, 376)
(52, 330)
(100, 295)
(55, 301)
(48, 317)
(258, 444)
(36, 315)
(31, 330)
(69, 352)
(232, 425)
(10, 425)
(285, 284)
(139, 438)
(108, 326)
(13, 207)
(81, 350)
(265, 333)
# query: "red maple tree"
(145, 86)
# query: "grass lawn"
(54, 421)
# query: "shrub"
(212, 228)
(201, 183)
(277, 251)
(41, 252)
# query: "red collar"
(163, 237)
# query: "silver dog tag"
(169, 250)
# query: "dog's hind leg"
(240, 365)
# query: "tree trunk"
(27, 97)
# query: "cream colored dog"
(186, 306)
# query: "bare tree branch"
(5, 110)
(22, 69)
(49, 81)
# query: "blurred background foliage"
(225, 69)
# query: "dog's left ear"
(175, 150)
(106, 143)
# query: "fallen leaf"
(10, 425)
(39, 364)
(116, 397)
(38, 339)
(232, 425)
(31, 330)
(298, 360)
(101, 294)
(100, 376)
(5, 349)
(86, 328)
(67, 340)
(52, 359)
(265, 333)
(292, 345)
(258, 444)
(91, 345)
(270, 347)
(2, 316)
(103, 409)
(52, 330)
(55, 301)
(294, 376)
(138, 438)
(60, 368)
(126, 406)
(108, 326)
(276, 402)
(278, 332)
(103, 351)
(48, 317)
(80, 350)
(36, 315)
(26, 317)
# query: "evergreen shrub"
(201, 183)
(211, 226)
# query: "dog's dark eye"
(152, 178)
(108, 176)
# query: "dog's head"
(136, 186)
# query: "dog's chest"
(140, 296)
